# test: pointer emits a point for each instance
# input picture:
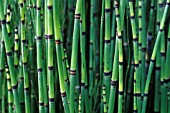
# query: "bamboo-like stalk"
(24, 53)
(153, 57)
(50, 56)
(10, 96)
(9, 59)
(39, 56)
(60, 64)
(74, 55)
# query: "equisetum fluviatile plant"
(84, 56)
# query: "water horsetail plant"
(9, 59)
(39, 56)
(84, 56)
(24, 53)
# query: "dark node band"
(72, 9)
(113, 83)
(21, 78)
(39, 70)
(104, 94)
(24, 41)
(82, 84)
(63, 94)
(41, 104)
(140, 44)
(135, 39)
(162, 82)
(46, 36)
(132, 17)
(21, 103)
(72, 72)
(38, 37)
(57, 41)
(107, 10)
(2, 42)
(161, 5)
(8, 53)
(50, 36)
(120, 63)
(136, 65)
(10, 89)
(51, 99)
(161, 30)
(117, 15)
(168, 39)
(166, 80)
(107, 73)
(140, 61)
(138, 94)
(134, 81)
(24, 63)
(90, 68)
(86, 87)
(7, 71)
(34, 6)
(119, 37)
(21, 5)
(104, 102)
(140, 7)
(3, 21)
(83, 33)
(112, 38)
(1, 70)
(152, 6)
(158, 68)
(116, 5)
(168, 3)
(14, 87)
(81, 21)
(162, 53)
(22, 21)
(95, 14)
(49, 7)
(143, 49)
(107, 41)
(8, 22)
(152, 60)
(50, 67)
(91, 43)
(15, 66)
(26, 89)
(140, 29)
(9, 34)
(8, 13)
(38, 8)
(149, 33)
(8, 6)
(10, 104)
(135, 111)
(145, 94)
(139, 16)
(66, 80)
(120, 92)
(77, 16)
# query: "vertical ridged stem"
(9, 59)
(153, 57)
(63, 80)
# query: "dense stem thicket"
(84, 56)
